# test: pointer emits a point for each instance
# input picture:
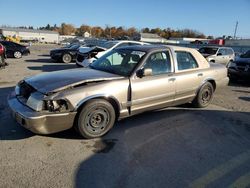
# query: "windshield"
(121, 62)
(210, 51)
(75, 46)
(109, 44)
(246, 55)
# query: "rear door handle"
(171, 79)
(200, 74)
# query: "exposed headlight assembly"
(56, 105)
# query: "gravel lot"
(174, 147)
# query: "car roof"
(149, 48)
(120, 41)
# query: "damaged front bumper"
(40, 122)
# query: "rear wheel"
(96, 118)
(66, 58)
(204, 96)
(17, 54)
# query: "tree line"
(119, 32)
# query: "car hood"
(52, 82)
(91, 49)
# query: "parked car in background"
(240, 68)
(86, 56)
(2, 56)
(123, 82)
(66, 54)
(223, 55)
(14, 49)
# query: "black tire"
(95, 119)
(204, 96)
(66, 58)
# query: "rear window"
(208, 50)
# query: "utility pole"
(235, 30)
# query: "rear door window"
(185, 61)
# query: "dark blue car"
(15, 50)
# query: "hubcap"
(17, 54)
(66, 58)
(97, 120)
(206, 95)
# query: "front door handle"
(171, 79)
(200, 74)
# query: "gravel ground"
(174, 147)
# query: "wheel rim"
(66, 58)
(17, 54)
(206, 95)
(97, 120)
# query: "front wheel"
(96, 118)
(66, 58)
(204, 96)
(17, 55)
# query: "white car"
(86, 56)
(213, 54)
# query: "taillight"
(1, 49)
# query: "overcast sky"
(211, 17)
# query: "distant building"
(237, 42)
(29, 35)
(86, 35)
(150, 37)
(186, 40)
(217, 42)
(65, 37)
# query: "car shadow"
(44, 55)
(52, 67)
(245, 99)
(169, 148)
(43, 60)
(9, 129)
(239, 83)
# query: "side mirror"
(144, 72)
(219, 54)
(147, 72)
